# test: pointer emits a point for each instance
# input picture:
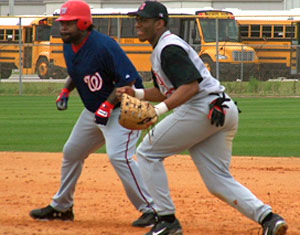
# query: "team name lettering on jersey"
(166, 90)
(94, 82)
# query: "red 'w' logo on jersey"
(94, 82)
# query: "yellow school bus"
(233, 56)
(198, 28)
(31, 35)
(275, 37)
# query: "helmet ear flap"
(82, 24)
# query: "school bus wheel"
(5, 73)
(43, 68)
(210, 65)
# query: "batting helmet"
(76, 10)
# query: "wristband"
(105, 106)
(65, 90)
(104, 110)
(139, 93)
(161, 108)
(64, 93)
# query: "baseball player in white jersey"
(96, 65)
(204, 122)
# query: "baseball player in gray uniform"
(204, 122)
(96, 65)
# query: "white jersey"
(208, 85)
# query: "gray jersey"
(208, 85)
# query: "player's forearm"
(112, 98)
(153, 94)
(182, 95)
(69, 84)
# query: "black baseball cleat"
(49, 213)
(274, 224)
(145, 220)
(165, 228)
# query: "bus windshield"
(55, 29)
(228, 30)
(42, 33)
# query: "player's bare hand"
(125, 89)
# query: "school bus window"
(113, 27)
(101, 25)
(185, 31)
(289, 32)
(28, 35)
(9, 37)
(128, 29)
(255, 31)
(9, 34)
(208, 30)
(42, 33)
(244, 30)
(55, 29)
(196, 34)
(1, 34)
(174, 25)
(230, 30)
(16, 35)
(278, 31)
(266, 31)
(296, 35)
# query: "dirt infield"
(29, 180)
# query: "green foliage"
(253, 85)
(40, 89)
(251, 88)
(260, 88)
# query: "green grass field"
(267, 126)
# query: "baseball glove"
(136, 114)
